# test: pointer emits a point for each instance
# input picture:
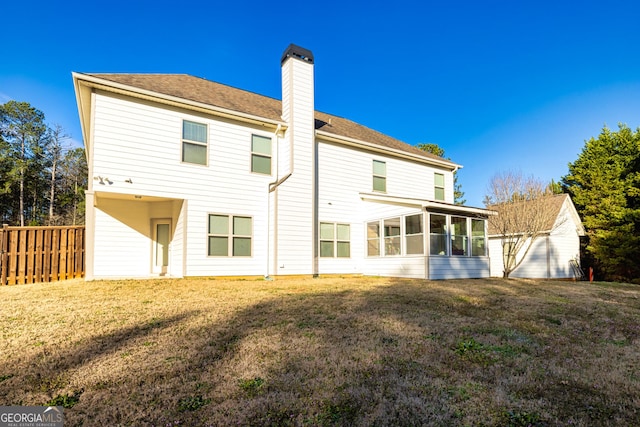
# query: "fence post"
(4, 247)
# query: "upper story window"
(438, 186)
(335, 240)
(261, 154)
(379, 176)
(194, 142)
(230, 235)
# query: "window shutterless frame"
(438, 186)
(335, 240)
(261, 154)
(229, 235)
(379, 176)
(194, 143)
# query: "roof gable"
(207, 92)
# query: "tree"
(435, 149)
(22, 128)
(555, 187)
(41, 181)
(54, 152)
(73, 168)
(604, 183)
(524, 206)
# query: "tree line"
(42, 177)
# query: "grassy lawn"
(328, 351)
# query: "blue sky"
(500, 85)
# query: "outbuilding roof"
(546, 208)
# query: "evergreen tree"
(604, 183)
(22, 128)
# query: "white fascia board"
(386, 150)
(123, 89)
(426, 204)
(83, 101)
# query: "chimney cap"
(294, 51)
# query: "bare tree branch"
(527, 209)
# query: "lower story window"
(229, 235)
(373, 238)
(456, 235)
(478, 238)
(438, 234)
(392, 236)
(335, 240)
(401, 235)
(413, 233)
(459, 235)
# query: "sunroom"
(431, 240)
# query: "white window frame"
(475, 238)
(259, 154)
(449, 236)
(204, 143)
(406, 235)
(437, 187)
(230, 234)
(465, 236)
(335, 239)
(379, 176)
(373, 239)
(385, 242)
(445, 235)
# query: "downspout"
(271, 188)
(316, 214)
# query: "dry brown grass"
(329, 351)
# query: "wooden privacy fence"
(41, 254)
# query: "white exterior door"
(161, 239)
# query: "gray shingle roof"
(218, 95)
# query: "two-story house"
(188, 177)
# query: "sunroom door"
(161, 239)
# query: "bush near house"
(328, 351)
